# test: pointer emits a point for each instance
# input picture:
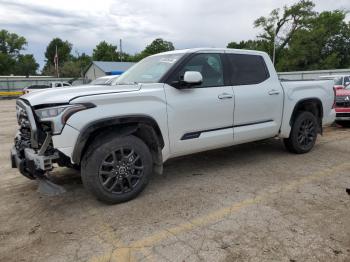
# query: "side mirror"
(192, 78)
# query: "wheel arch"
(142, 126)
(312, 105)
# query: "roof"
(211, 49)
(108, 67)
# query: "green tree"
(283, 24)
(105, 52)
(64, 49)
(26, 65)
(260, 45)
(76, 66)
(324, 45)
(157, 46)
(11, 44)
(11, 61)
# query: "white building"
(100, 68)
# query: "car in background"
(36, 88)
(342, 106)
(104, 80)
(340, 81)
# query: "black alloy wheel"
(116, 169)
(121, 171)
(303, 134)
(307, 133)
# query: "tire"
(343, 123)
(303, 135)
(116, 169)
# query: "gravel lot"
(253, 202)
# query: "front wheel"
(116, 169)
(303, 135)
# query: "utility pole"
(121, 50)
(274, 48)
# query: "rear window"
(248, 69)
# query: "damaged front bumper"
(32, 165)
(32, 153)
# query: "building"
(100, 68)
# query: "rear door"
(258, 98)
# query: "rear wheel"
(117, 169)
(303, 135)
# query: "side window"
(209, 65)
(248, 69)
(346, 79)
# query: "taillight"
(335, 95)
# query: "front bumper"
(342, 114)
(32, 157)
(32, 165)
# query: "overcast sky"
(191, 23)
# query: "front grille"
(343, 115)
(342, 101)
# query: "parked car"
(36, 88)
(342, 107)
(340, 81)
(104, 80)
(168, 105)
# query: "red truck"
(342, 90)
(342, 107)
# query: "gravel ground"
(253, 202)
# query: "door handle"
(274, 92)
(225, 96)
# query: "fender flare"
(123, 125)
(306, 100)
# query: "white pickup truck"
(168, 105)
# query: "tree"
(64, 49)
(157, 46)
(11, 44)
(261, 45)
(11, 59)
(283, 24)
(26, 65)
(76, 67)
(105, 52)
(324, 45)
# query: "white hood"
(66, 94)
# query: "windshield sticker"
(168, 60)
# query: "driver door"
(200, 117)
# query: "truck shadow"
(193, 165)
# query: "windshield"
(149, 70)
(338, 81)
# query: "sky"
(191, 23)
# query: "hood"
(343, 92)
(66, 94)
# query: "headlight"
(58, 116)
